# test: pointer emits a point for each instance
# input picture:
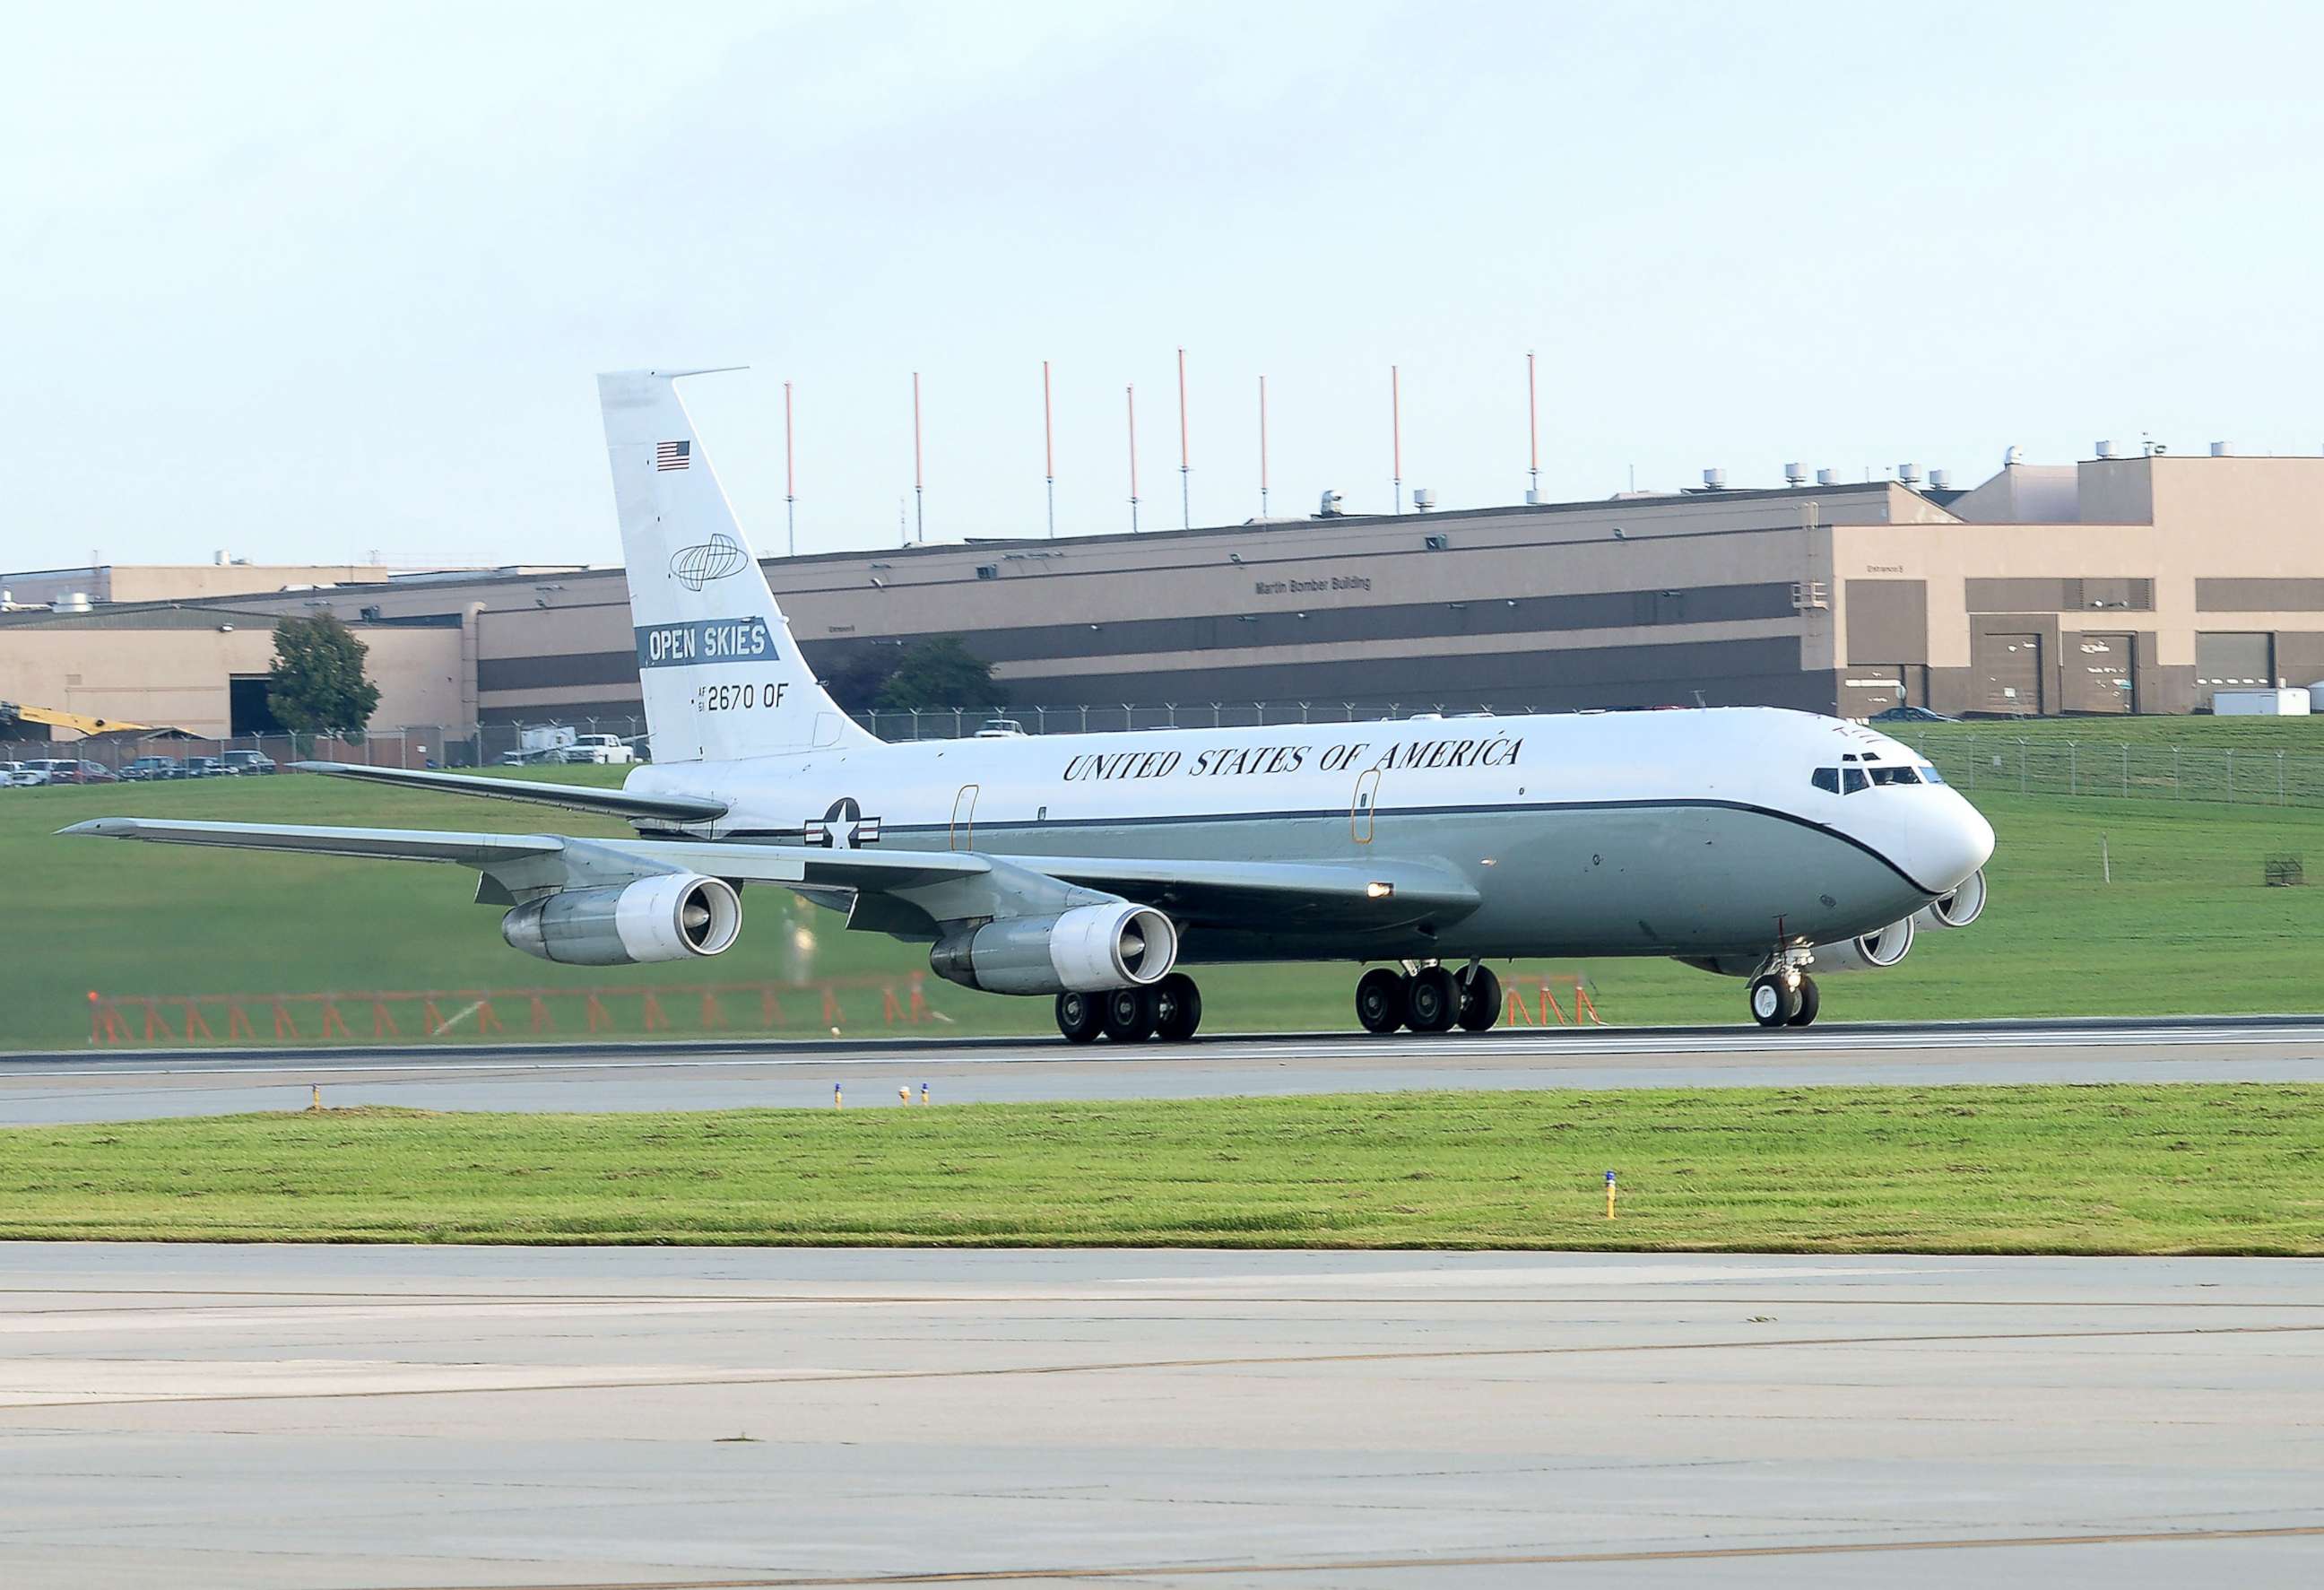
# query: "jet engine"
(1088, 951)
(660, 919)
(1866, 952)
(1963, 906)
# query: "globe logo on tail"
(715, 559)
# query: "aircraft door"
(1359, 809)
(963, 817)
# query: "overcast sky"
(309, 281)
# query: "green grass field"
(2192, 1168)
(2185, 926)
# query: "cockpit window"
(1851, 779)
(1827, 779)
(1894, 775)
(1930, 775)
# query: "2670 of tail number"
(735, 698)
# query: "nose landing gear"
(1784, 996)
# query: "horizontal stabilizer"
(681, 809)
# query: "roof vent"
(1795, 474)
(1826, 477)
(2107, 450)
(1936, 478)
(2013, 457)
(1329, 507)
(1714, 480)
(2223, 450)
(1423, 499)
(1910, 474)
(1534, 499)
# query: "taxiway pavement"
(130, 1085)
(338, 1418)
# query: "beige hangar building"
(2138, 583)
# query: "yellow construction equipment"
(80, 723)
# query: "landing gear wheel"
(1379, 1000)
(1480, 1000)
(1809, 1002)
(1432, 1000)
(1079, 1017)
(1177, 1008)
(1127, 1014)
(1773, 1002)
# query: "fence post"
(2231, 778)
(2279, 778)
(2021, 767)
(2175, 793)
(2125, 770)
(2073, 782)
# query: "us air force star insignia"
(844, 828)
(715, 559)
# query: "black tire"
(1432, 1000)
(1127, 1014)
(1810, 1002)
(1379, 1000)
(1773, 1002)
(1481, 1001)
(1079, 1017)
(1177, 1008)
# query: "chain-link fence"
(2023, 765)
(1973, 759)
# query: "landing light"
(1380, 891)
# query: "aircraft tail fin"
(723, 677)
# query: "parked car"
(13, 775)
(1912, 715)
(207, 767)
(67, 770)
(147, 769)
(599, 750)
(249, 762)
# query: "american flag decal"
(673, 455)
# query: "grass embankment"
(2185, 926)
(2094, 1169)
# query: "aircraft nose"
(1954, 842)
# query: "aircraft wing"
(757, 864)
(914, 888)
(683, 809)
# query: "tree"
(317, 684)
(856, 683)
(939, 673)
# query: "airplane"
(1093, 869)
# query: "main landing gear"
(1169, 1010)
(1429, 999)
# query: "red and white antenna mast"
(1396, 433)
(919, 520)
(1262, 447)
(1185, 496)
(1132, 393)
(1049, 449)
(1533, 432)
(791, 481)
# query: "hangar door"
(2100, 673)
(2008, 673)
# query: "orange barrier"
(450, 1015)
(1585, 1010)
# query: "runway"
(343, 1418)
(125, 1085)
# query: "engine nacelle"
(1866, 952)
(1088, 951)
(663, 918)
(1963, 906)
